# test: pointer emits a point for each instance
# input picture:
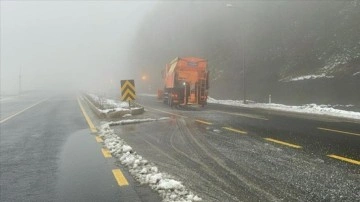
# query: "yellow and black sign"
(127, 90)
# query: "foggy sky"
(66, 44)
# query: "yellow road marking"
(120, 178)
(106, 153)
(283, 143)
(344, 159)
(244, 115)
(98, 139)
(88, 120)
(204, 122)
(166, 112)
(17, 113)
(338, 131)
(235, 130)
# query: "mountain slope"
(301, 49)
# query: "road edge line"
(106, 153)
(20, 112)
(234, 130)
(119, 177)
(164, 112)
(203, 122)
(87, 118)
(243, 115)
(284, 143)
(98, 139)
(348, 160)
(337, 131)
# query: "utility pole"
(242, 41)
(20, 81)
(244, 67)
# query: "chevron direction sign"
(127, 90)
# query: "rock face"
(280, 42)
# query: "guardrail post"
(269, 98)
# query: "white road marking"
(6, 99)
(12, 116)
(166, 112)
(243, 115)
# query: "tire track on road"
(255, 173)
(260, 188)
(231, 181)
(189, 166)
(211, 175)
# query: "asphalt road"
(232, 154)
(316, 135)
(48, 153)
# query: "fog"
(92, 45)
(67, 45)
(274, 40)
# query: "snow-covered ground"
(306, 109)
(145, 172)
(110, 105)
(307, 77)
(132, 121)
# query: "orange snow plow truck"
(186, 82)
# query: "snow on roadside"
(306, 109)
(307, 77)
(145, 172)
(118, 109)
(110, 105)
(132, 121)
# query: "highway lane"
(237, 155)
(11, 105)
(317, 136)
(321, 137)
(48, 153)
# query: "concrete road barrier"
(95, 107)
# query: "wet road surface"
(227, 154)
(47, 153)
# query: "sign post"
(128, 91)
